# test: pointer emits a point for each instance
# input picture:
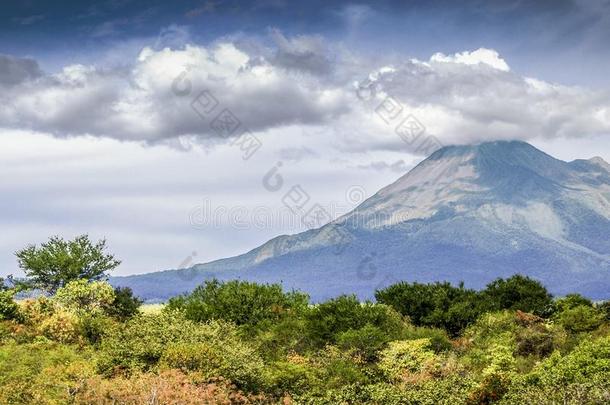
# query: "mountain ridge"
(502, 205)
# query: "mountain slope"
(466, 213)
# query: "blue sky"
(557, 40)
(94, 137)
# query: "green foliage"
(604, 309)
(125, 304)
(241, 302)
(146, 341)
(57, 262)
(245, 343)
(286, 336)
(582, 376)
(406, 356)
(41, 373)
(581, 318)
(437, 305)
(518, 293)
(571, 301)
(536, 340)
(93, 327)
(229, 358)
(84, 297)
(8, 307)
(327, 320)
(366, 341)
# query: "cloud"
(15, 70)
(141, 103)
(398, 166)
(487, 56)
(471, 96)
(474, 97)
(302, 53)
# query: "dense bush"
(125, 304)
(405, 357)
(438, 305)
(326, 321)
(237, 342)
(42, 372)
(582, 376)
(581, 318)
(8, 307)
(241, 302)
(84, 297)
(517, 293)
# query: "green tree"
(437, 305)
(571, 301)
(241, 302)
(125, 304)
(57, 262)
(581, 318)
(326, 321)
(518, 292)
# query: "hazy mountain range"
(466, 213)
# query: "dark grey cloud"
(15, 70)
(141, 102)
(302, 53)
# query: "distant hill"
(466, 213)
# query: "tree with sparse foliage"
(57, 262)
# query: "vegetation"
(244, 343)
(57, 262)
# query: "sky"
(177, 130)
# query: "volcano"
(466, 213)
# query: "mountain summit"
(466, 213)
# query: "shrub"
(167, 387)
(234, 360)
(604, 309)
(84, 297)
(535, 340)
(517, 293)
(138, 344)
(367, 341)
(582, 376)
(336, 368)
(41, 373)
(571, 301)
(295, 377)
(8, 307)
(405, 356)
(282, 338)
(437, 305)
(34, 311)
(581, 318)
(146, 342)
(439, 341)
(240, 302)
(93, 327)
(61, 326)
(327, 320)
(125, 304)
